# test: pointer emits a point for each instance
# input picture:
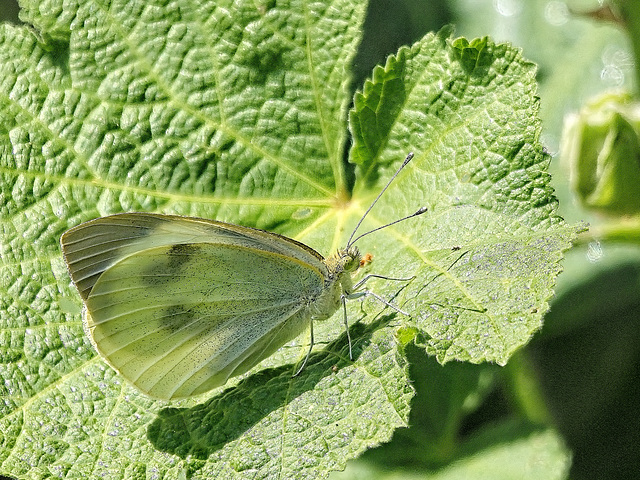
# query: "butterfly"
(178, 305)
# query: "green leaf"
(445, 397)
(237, 111)
(489, 250)
(505, 451)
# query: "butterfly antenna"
(419, 212)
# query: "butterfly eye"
(351, 259)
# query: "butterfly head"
(350, 258)
(345, 260)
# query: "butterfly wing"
(178, 305)
(92, 247)
(178, 320)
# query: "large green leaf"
(237, 111)
(486, 258)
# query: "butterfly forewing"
(92, 247)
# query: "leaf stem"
(526, 392)
(617, 230)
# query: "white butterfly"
(178, 305)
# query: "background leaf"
(237, 111)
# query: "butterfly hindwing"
(180, 319)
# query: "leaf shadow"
(201, 430)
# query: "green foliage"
(585, 361)
(237, 111)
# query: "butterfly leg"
(310, 348)
(343, 298)
(373, 275)
(357, 294)
(365, 293)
